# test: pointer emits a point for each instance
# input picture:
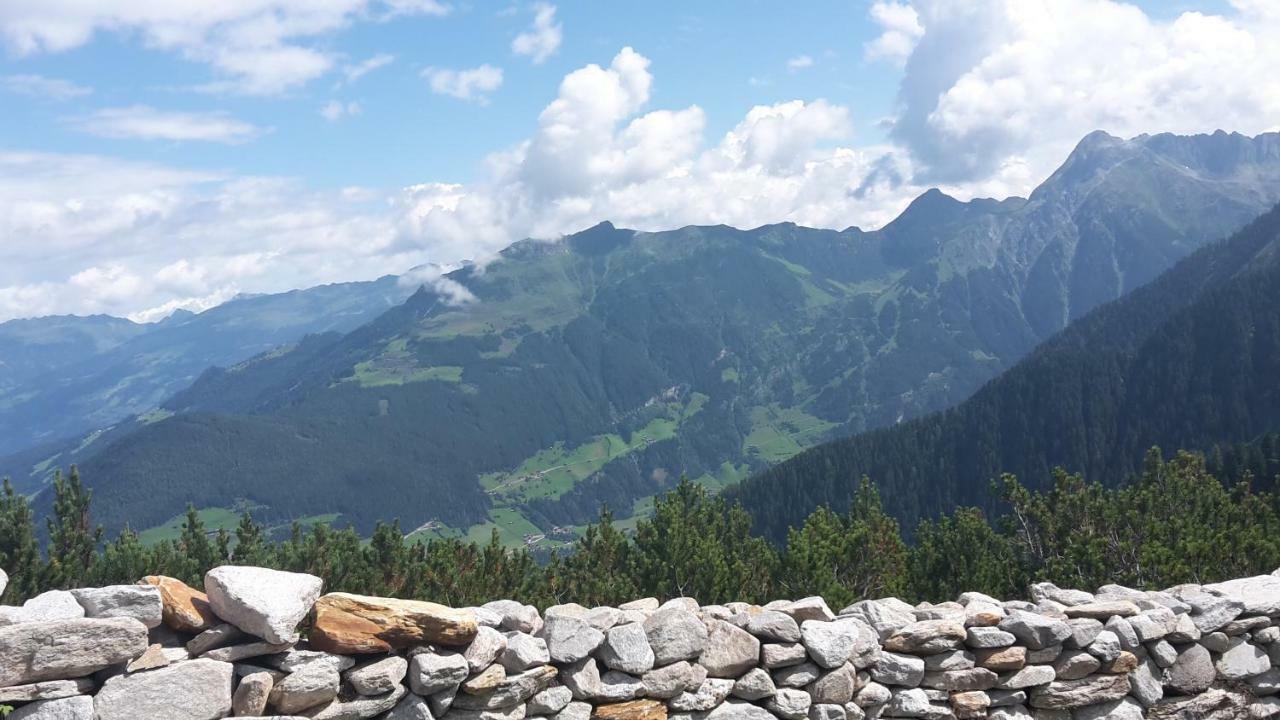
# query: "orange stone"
(185, 608)
(357, 624)
(634, 710)
(1002, 659)
(1126, 663)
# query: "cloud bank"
(993, 95)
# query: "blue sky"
(723, 56)
(157, 156)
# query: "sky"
(166, 155)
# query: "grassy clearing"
(214, 519)
(778, 433)
(554, 471)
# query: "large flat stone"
(140, 602)
(193, 690)
(358, 624)
(64, 649)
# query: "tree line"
(1175, 522)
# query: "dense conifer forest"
(1175, 522)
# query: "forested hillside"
(63, 376)
(599, 368)
(1176, 523)
(1191, 360)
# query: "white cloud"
(254, 46)
(38, 86)
(473, 84)
(541, 40)
(994, 94)
(354, 72)
(900, 31)
(799, 62)
(141, 122)
(335, 110)
(1007, 87)
(87, 234)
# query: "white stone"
(1260, 594)
(435, 672)
(378, 677)
(674, 634)
(626, 648)
(140, 602)
(192, 690)
(31, 652)
(262, 602)
(73, 708)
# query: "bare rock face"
(194, 690)
(31, 652)
(185, 609)
(262, 602)
(358, 624)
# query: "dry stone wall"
(163, 650)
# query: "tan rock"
(971, 704)
(1126, 663)
(151, 658)
(185, 608)
(356, 624)
(634, 710)
(1002, 659)
(488, 679)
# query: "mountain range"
(600, 367)
(63, 376)
(1191, 360)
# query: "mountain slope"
(601, 367)
(1191, 360)
(33, 347)
(89, 383)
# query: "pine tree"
(19, 553)
(73, 540)
(251, 545)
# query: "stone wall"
(163, 650)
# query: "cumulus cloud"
(994, 94)
(799, 62)
(354, 72)
(900, 31)
(335, 110)
(38, 86)
(541, 40)
(1006, 87)
(88, 234)
(254, 46)
(473, 84)
(140, 122)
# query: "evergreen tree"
(251, 542)
(696, 545)
(73, 540)
(19, 553)
(857, 556)
(599, 571)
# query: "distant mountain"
(33, 347)
(1192, 360)
(64, 376)
(601, 367)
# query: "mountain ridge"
(631, 358)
